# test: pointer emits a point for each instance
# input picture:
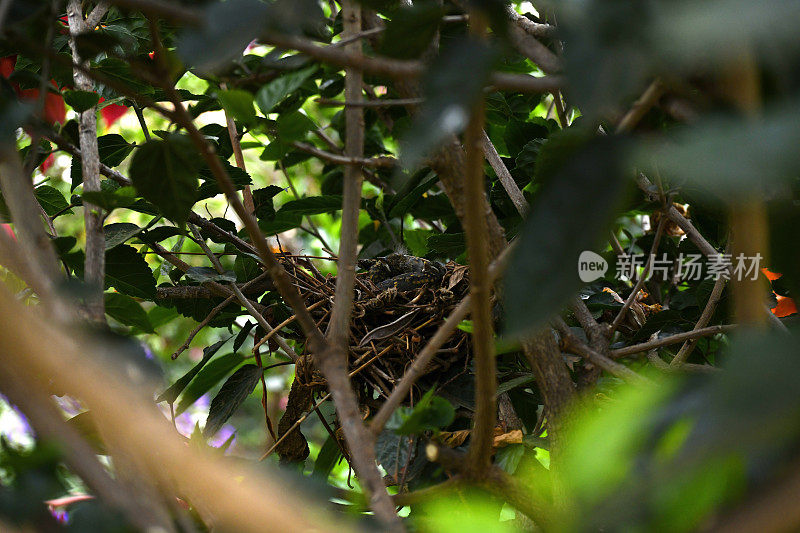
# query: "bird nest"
(399, 303)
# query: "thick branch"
(94, 267)
(480, 449)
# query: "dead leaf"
(453, 439)
(512, 437)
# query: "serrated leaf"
(118, 233)
(172, 392)
(126, 310)
(165, 173)
(51, 200)
(81, 101)
(278, 89)
(232, 394)
(238, 104)
(209, 376)
(113, 149)
(569, 216)
(205, 274)
(127, 271)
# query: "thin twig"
(708, 311)
(510, 186)
(641, 106)
(672, 339)
(577, 346)
(647, 268)
(373, 162)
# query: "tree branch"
(480, 447)
(94, 267)
(332, 360)
(672, 339)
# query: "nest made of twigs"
(388, 327)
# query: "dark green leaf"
(294, 126)
(227, 28)
(242, 336)
(275, 91)
(165, 173)
(411, 30)
(569, 217)
(80, 101)
(51, 200)
(110, 200)
(172, 392)
(430, 413)
(126, 310)
(118, 233)
(206, 378)
(452, 85)
(232, 394)
(113, 149)
(327, 458)
(313, 205)
(127, 271)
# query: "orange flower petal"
(785, 307)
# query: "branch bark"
(332, 360)
(480, 447)
(94, 266)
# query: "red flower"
(54, 108)
(7, 65)
(112, 113)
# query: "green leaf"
(278, 89)
(232, 394)
(81, 101)
(430, 413)
(238, 104)
(165, 173)
(118, 233)
(452, 85)
(569, 216)
(732, 157)
(51, 200)
(410, 30)
(127, 271)
(313, 205)
(206, 378)
(294, 126)
(242, 336)
(110, 200)
(126, 310)
(172, 392)
(227, 28)
(326, 459)
(245, 268)
(447, 244)
(205, 274)
(113, 149)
